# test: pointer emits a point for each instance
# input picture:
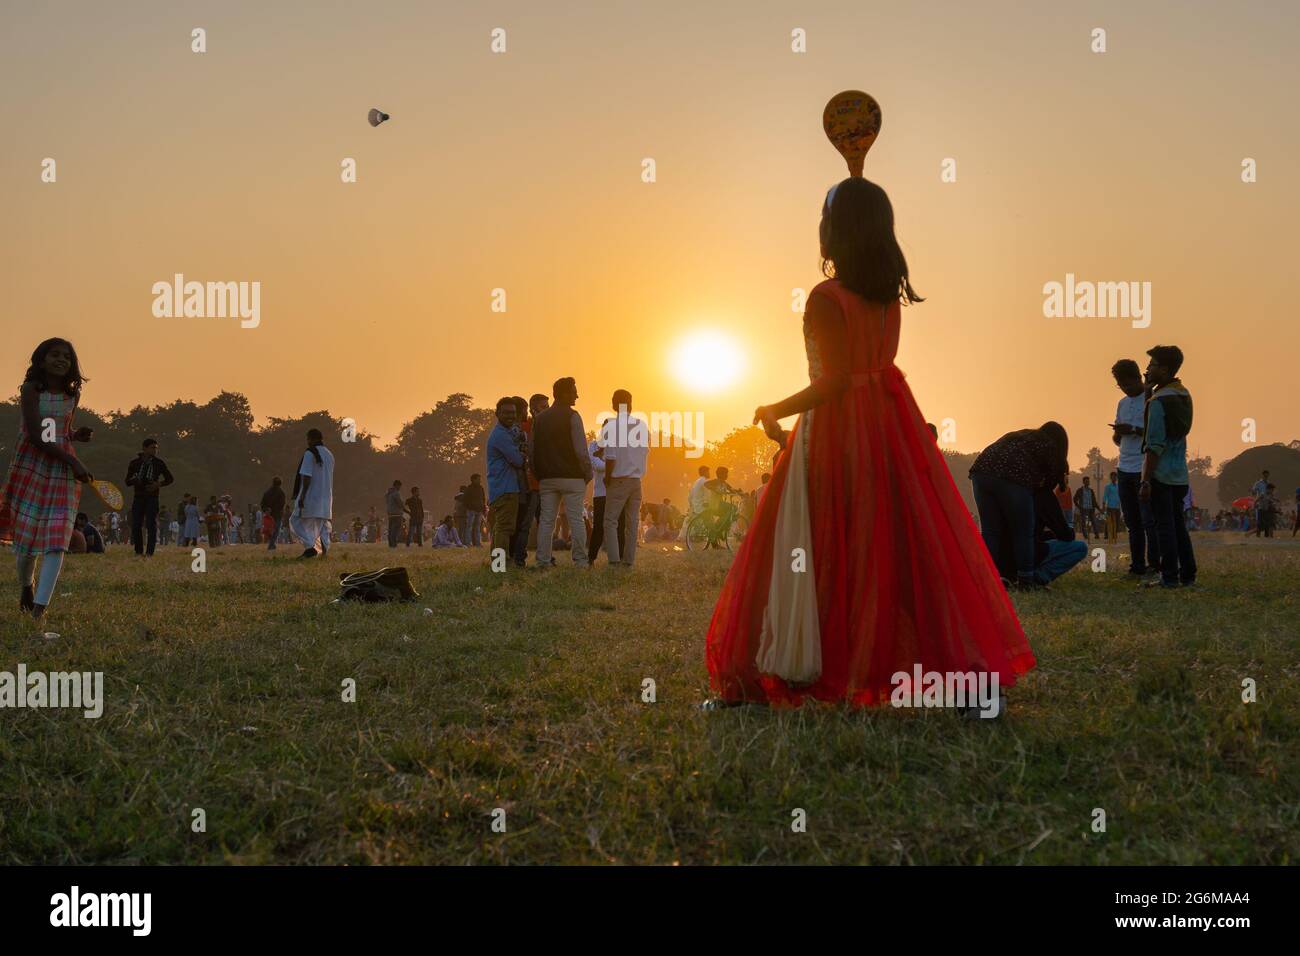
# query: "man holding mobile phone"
(1144, 545)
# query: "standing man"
(1164, 468)
(213, 515)
(273, 504)
(1110, 501)
(395, 508)
(313, 495)
(415, 508)
(475, 505)
(528, 498)
(146, 474)
(597, 455)
(558, 451)
(1129, 431)
(1258, 490)
(164, 526)
(504, 464)
(1085, 506)
(626, 443)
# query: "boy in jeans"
(1164, 465)
(1130, 418)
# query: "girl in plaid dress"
(38, 503)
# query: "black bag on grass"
(386, 584)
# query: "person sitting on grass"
(90, 534)
(83, 534)
(445, 534)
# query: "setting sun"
(707, 360)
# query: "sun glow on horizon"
(706, 360)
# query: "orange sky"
(522, 171)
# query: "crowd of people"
(835, 589)
(539, 466)
(1028, 516)
(549, 489)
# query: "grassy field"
(523, 692)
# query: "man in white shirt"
(625, 441)
(697, 499)
(313, 496)
(597, 537)
(1144, 546)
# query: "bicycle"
(723, 527)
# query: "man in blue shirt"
(504, 462)
(1110, 501)
(1164, 465)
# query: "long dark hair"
(36, 371)
(857, 234)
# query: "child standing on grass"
(38, 504)
(836, 589)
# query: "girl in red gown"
(862, 560)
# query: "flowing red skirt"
(902, 574)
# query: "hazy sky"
(522, 171)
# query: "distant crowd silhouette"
(856, 557)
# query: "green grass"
(523, 692)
